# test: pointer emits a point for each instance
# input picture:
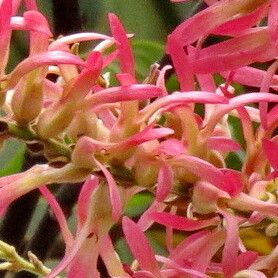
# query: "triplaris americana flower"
(130, 136)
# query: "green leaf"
(234, 160)
(146, 53)
(138, 204)
(236, 130)
(11, 157)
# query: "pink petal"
(271, 150)
(125, 53)
(124, 93)
(251, 77)
(143, 274)
(171, 147)
(182, 223)
(214, 242)
(245, 202)
(273, 22)
(184, 249)
(213, 62)
(5, 30)
(180, 99)
(181, 64)
(145, 220)
(42, 59)
(246, 259)
(165, 181)
(251, 273)
(223, 144)
(31, 4)
(84, 198)
(239, 24)
(60, 43)
(80, 239)
(231, 247)
(205, 171)
(84, 264)
(110, 258)
(59, 214)
(113, 191)
(140, 247)
(35, 21)
(147, 134)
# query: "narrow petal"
(205, 171)
(271, 150)
(124, 93)
(140, 247)
(223, 144)
(231, 247)
(239, 24)
(182, 223)
(84, 198)
(79, 37)
(165, 181)
(113, 191)
(246, 259)
(42, 59)
(145, 220)
(125, 53)
(171, 147)
(58, 212)
(244, 202)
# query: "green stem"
(25, 133)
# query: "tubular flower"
(206, 153)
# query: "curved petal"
(140, 247)
(182, 223)
(125, 53)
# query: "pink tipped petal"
(140, 247)
(113, 191)
(125, 53)
(223, 144)
(182, 223)
(271, 151)
(165, 181)
(58, 212)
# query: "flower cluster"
(128, 137)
